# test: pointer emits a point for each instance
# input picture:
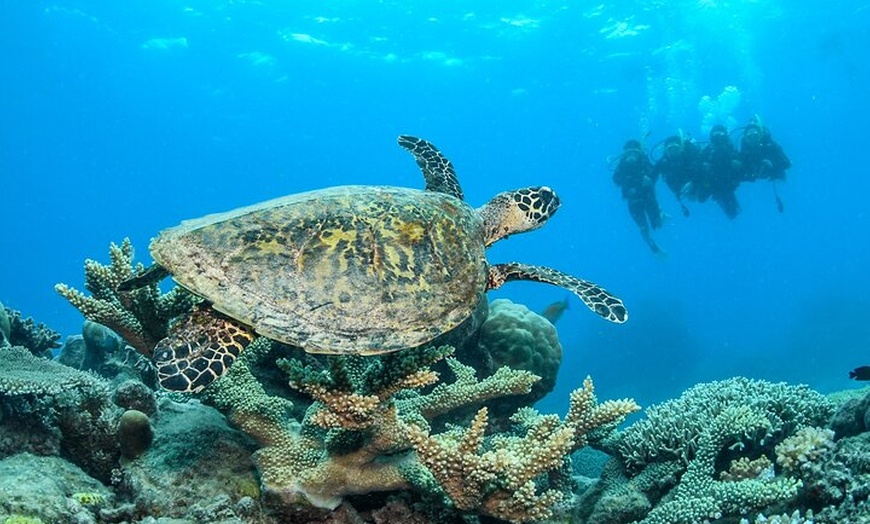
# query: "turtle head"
(517, 211)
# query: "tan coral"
(585, 414)
(500, 481)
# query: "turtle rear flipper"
(598, 300)
(437, 169)
(199, 351)
(152, 275)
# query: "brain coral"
(519, 338)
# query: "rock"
(39, 487)
(135, 434)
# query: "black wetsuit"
(719, 176)
(637, 181)
(753, 157)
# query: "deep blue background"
(122, 118)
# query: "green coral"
(673, 430)
(671, 466)
(699, 497)
(22, 373)
(21, 519)
(142, 317)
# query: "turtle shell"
(344, 270)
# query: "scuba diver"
(720, 172)
(678, 166)
(635, 175)
(761, 157)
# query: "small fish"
(861, 373)
(554, 311)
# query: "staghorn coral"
(497, 477)
(698, 497)
(141, 316)
(672, 430)
(675, 460)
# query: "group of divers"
(696, 172)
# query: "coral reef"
(58, 409)
(835, 476)
(416, 436)
(196, 466)
(698, 497)
(42, 488)
(355, 437)
(141, 316)
(699, 457)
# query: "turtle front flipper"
(437, 170)
(598, 300)
(200, 350)
(517, 211)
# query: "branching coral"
(805, 446)
(36, 337)
(673, 429)
(357, 436)
(141, 316)
(674, 460)
(497, 478)
(698, 497)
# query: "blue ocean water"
(122, 118)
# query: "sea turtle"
(345, 270)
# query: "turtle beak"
(549, 200)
